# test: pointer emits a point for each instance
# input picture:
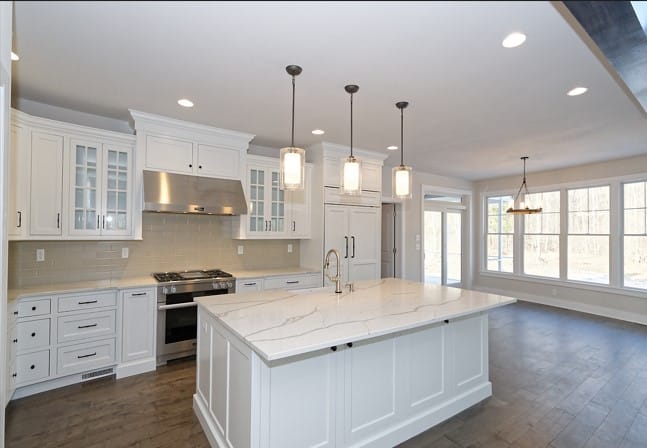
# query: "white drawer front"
(367, 198)
(81, 357)
(250, 284)
(87, 301)
(32, 334)
(87, 325)
(293, 282)
(34, 308)
(32, 367)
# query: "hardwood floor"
(561, 380)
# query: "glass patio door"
(442, 247)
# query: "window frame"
(487, 234)
(523, 234)
(622, 234)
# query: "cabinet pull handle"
(88, 302)
(58, 220)
(103, 221)
(249, 284)
(15, 313)
(270, 225)
(87, 326)
(33, 335)
(346, 255)
(292, 282)
(15, 341)
(14, 375)
(266, 226)
(32, 367)
(139, 294)
(198, 209)
(87, 356)
(294, 226)
(19, 219)
(97, 221)
(353, 246)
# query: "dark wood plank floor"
(561, 379)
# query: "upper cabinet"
(273, 213)
(175, 146)
(69, 181)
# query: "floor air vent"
(98, 373)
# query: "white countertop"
(274, 272)
(277, 324)
(73, 287)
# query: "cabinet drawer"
(90, 325)
(293, 282)
(81, 357)
(88, 301)
(32, 334)
(32, 367)
(34, 308)
(250, 284)
(367, 198)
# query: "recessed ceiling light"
(14, 56)
(185, 103)
(318, 132)
(577, 91)
(392, 148)
(513, 40)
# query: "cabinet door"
(277, 204)
(371, 176)
(336, 237)
(46, 184)
(19, 159)
(365, 243)
(298, 203)
(117, 216)
(85, 191)
(256, 221)
(218, 162)
(138, 324)
(168, 154)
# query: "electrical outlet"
(40, 254)
(124, 252)
(241, 250)
(289, 248)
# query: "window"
(635, 235)
(588, 234)
(541, 236)
(500, 233)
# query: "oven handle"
(177, 305)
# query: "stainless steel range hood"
(180, 193)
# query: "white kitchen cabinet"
(274, 213)
(99, 189)
(293, 281)
(12, 342)
(19, 171)
(249, 284)
(138, 320)
(355, 232)
(46, 188)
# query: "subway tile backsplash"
(170, 242)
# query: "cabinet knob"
(349, 345)
(15, 341)
(190, 165)
(333, 348)
(32, 367)
(15, 313)
(33, 308)
(33, 335)
(14, 375)
(199, 166)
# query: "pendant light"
(523, 209)
(292, 165)
(402, 179)
(351, 170)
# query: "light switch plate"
(40, 254)
(124, 252)
(289, 248)
(241, 250)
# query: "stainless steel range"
(177, 313)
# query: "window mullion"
(616, 260)
(563, 234)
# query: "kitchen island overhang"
(316, 369)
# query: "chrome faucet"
(336, 278)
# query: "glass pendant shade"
(351, 176)
(402, 182)
(292, 168)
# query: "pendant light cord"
(401, 137)
(351, 125)
(293, 90)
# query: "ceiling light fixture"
(392, 148)
(292, 166)
(402, 179)
(14, 56)
(185, 103)
(351, 172)
(577, 91)
(513, 40)
(524, 209)
(318, 132)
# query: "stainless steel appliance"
(177, 313)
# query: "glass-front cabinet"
(266, 207)
(100, 187)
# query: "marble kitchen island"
(369, 368)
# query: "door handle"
(58, 220)
(270, 224)
(294, 226)
(19, 219)
(98, 217)
(176, 306)
(346, 238)
(353, 246)
(103, 220)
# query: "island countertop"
(277, 324)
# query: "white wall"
(608, 302)
(412, 216)
(6, 27)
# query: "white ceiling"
(475, 107)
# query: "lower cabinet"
(289, 281)
(138, 320)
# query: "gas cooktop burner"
(191, 275)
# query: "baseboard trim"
(571, 305)
(136, 367)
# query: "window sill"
(567, 284)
